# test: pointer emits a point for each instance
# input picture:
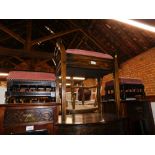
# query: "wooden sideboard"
(28, 118)
(137, 111)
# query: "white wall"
(153, 110)
(2, 94)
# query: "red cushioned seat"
(89, 53)
(125, 81)
(24, 75)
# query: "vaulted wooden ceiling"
(29, 44)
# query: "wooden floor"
(91, 124)
(79, 108)
(87, 118)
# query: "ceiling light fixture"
(54, 62)
(137, 24)
(68, 78)
(49, 29)
(74, 78)
(78, 78)
(3, 74)
(67, 84)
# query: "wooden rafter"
(142, 39)
(136, 35)
(42, 33)
(53, 36)
(16, 24)
(11, 62)
(29, 35)
(43, 61)
(2, 61)
(86, 45)
(12, 34)
(6, 60)
(81, 41)
(123, 38)
(23, 53)
(89, 36)
(5, 38)
(115, 41)
(18, 58)
(73, 40)
(146, 39)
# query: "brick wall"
(141, 67)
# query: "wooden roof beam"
(53, 36)
(134, 34)
(6, 70)
(44, 61)
(18, 58)
(89, 36)
(81, 41)
(29, 35)
(73, 40)
(24, 53)
(12, 34)
(9, 61)
(130, 43)
(115, 41)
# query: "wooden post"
(72, 93)
(57, 89)
(29, 34)
(63, 79)
(102, 106)
(117, 86)
(83, 96)
(99, 93)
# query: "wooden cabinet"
(30, 87)
(138, 113)
(129, 88)
(28, 118)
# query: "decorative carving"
(23, 116)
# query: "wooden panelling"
(14, 118)
(28, 116)
(151, 98)
(85, 62)
(2, 111)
